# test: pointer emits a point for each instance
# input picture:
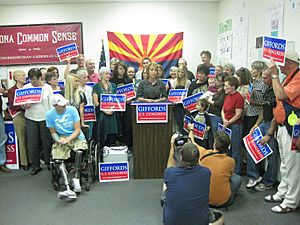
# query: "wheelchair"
(85, 170)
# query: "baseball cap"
(58, 99)
(292, 55)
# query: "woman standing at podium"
(152, 89)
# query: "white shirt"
(37, 111)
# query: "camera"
(181, 139)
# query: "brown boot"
(4, 169)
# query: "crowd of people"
(240, 100)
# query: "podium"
(151, 141)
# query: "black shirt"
(270, 103)
(151, 91)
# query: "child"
(202, 117)
(212, 87)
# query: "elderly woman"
(52, 79)
(232, 112)
(35, 114)
(17, 113)
(229, 69)
(151, 89)
(106, 126)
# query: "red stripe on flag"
(119, 56)
(117, 41)
(171, 43)
(159, 38)
(133, 43)
(173, 56)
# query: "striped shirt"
(258, 90)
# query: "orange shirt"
(292, 90)
(221, 167)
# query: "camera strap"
(210, 154)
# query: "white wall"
(258, 21)
(198, 21)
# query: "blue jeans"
(235, 183)
(214, 120)
(270, 176)
(3, 138)
(236, 143)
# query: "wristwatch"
(274, 76)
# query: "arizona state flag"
(164, 49)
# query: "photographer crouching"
(187, 186)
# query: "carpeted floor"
(30, 200)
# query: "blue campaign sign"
(274, 48)
(113, 171)
(199, 130)
(165, 81)
(212, 71)
(11, 146)
(67, 51)
(127, 90)
(257, 151)
(295, 136)
(189, 103)
(61, 84)
(113, 102)
(222, 128)
(187, 120)
(28, 95)
(91, 84)
(177, 95)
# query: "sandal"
(282, 209)
(271, 199)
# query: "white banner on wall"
(275, 18)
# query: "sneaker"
(262, 187)
(251, 183)
(67, 194)
(76, 185)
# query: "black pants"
(37, 130)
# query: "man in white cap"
(63, 122)
(288, 100)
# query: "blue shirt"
(186, 196)
(63, 123)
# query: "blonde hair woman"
(75, 95)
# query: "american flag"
(102, 62)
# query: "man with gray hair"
(90, 68)
(183, 63)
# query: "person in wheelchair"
(63, 122)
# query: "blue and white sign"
(212, 71)
(11, 146)
(257, 151)
(28, 95)
(113, 171)
(61, 84)
(274, 48)
(165, 81)
(190, 102)
(199, 130)
(226, 129)
(67, 52)
(295, 136)
(152, 113)
(127, 90)
(177, 95)
(91, 84)
(113, 102)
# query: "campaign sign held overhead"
(274, 48)
(113, 102)
(113, 171)
(67, 52)
(190, 102)
(127, 90)
(28, 95)
(89, 113)
(177, 95)
(152, 113)
(295, 136)
(226, 129)
(11, 146)
(199, 130)
(257, 151)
